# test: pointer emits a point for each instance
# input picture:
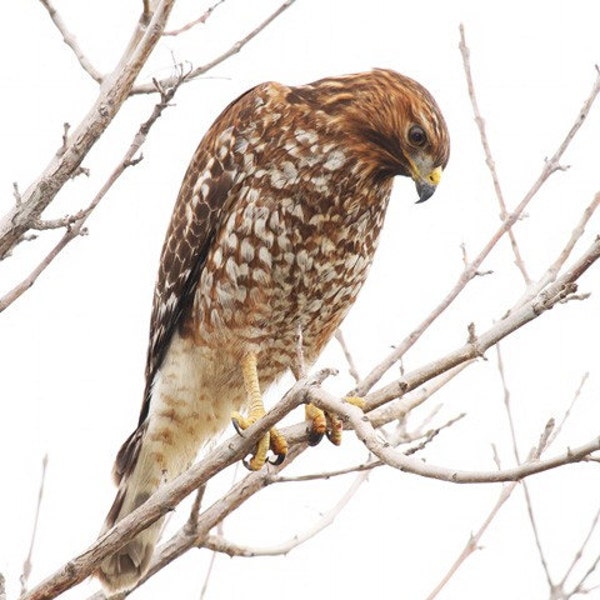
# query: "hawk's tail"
(137, 478)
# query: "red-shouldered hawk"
(273, 232)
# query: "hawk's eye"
(416, 135)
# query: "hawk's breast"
(295, 247)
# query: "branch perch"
(114, 90)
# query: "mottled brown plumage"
(273, 232)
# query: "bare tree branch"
(576, 396)
(579, 587)
(199, 21)
(75, 223)
(473, 542)
(148, 89)
(220, 544)
(114, 90)
(209, 571)
(513, 436)
(368, 465)
(561, 289)
(386, 453)
(399, 408)
(553, 270)
(182, 541)
(430, 435)
(339, 336)
(28, 561)
(70, 40)
(489, 160)
(577, 557)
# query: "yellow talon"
(278, 445)
(334, 429)
(328, 423)
(272, 439)
(323, 423)
(318, 424)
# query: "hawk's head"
(392, 122)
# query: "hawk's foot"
(323, 423)
(326, 423)
(272, 439)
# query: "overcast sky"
(72, 349)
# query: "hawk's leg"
(326, 423)
(272, 439)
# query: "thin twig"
(27, 564)
(579, 588)
(513, 436)
(553, 270)
(200, 20)
(17, 194)
(398, 409)
(219, 544)
(339, 336)
(576, 396)
(69, 40)
(428, 419)
(537, 537)
(473, 542)
(489, 160)
(507, 408)
(369, 465)
(192, 522)
(544, 443)
(66, 221)
(220, 531)
(578, 555)
(209, 572)
(432, 434)
(148, 88)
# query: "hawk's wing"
(204, 194)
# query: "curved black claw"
(246, 463)
(237, 427)
(279, 458)
(314, 437)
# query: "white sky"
(72, 349)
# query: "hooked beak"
(426, 185)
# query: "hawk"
(273, 233)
